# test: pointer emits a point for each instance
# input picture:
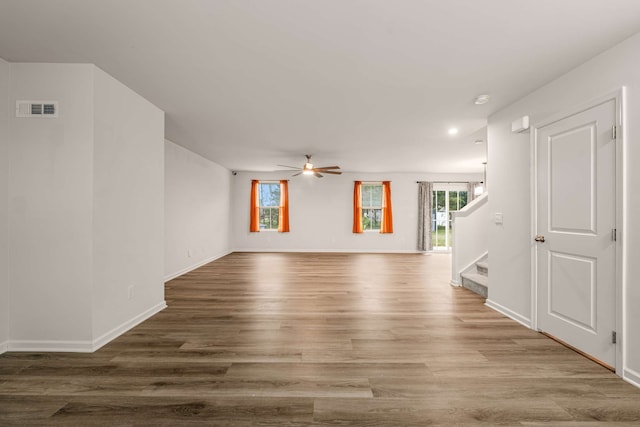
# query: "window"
(457, 200)
(269, 207)
(371, 206)
(269, 204)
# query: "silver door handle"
(539, 238)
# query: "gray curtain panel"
(424, 216)
(471, 189)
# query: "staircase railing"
(471, 230)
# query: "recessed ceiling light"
(482, 99)
(453, 131)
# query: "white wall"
(471, 231)
(321, 213)
(509, 174)
(4, 205)
(128, 206)
(50, 204)
(86, 209)
(197, 210)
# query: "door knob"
(539, 238)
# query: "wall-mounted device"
(520, 125)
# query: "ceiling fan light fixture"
(309, 169)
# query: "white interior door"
(576, 213)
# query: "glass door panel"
(445, 202)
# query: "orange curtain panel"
(254, 225)
(283, 224)
(387, 214)
(357, 207)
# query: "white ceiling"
(371, 85)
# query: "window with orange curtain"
(387, 212)
(372, 207)
(269, 206)
(283, 225)
(357, 207)
(254, 223)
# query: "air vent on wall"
(37, 109)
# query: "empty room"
(310, 212)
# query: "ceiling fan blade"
(308, 168)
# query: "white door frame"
(447, 187)
(619, 97)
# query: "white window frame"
(260, 207)
(372, 184)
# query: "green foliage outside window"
(269, 205)
(371, 206)
(441, 227)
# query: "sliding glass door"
(447, 198)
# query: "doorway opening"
(446, 198)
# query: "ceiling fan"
(308, 169)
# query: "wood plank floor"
(318, 339)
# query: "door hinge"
(614, 131)
(614, 234)
(614, 337)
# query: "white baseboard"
(4, 347)
(631, 376)
(129, 324)
(51, 346)
(194, 266)
(509, 313)
(81, 346)
(455, 283)
(333, 251)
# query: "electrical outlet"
(189, 253)
(130, 292)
